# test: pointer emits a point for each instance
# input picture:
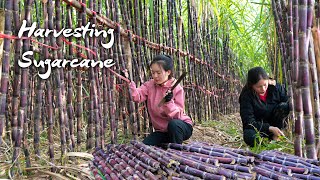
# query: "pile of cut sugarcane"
(197, 160)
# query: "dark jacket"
(256, 114)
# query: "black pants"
(250, 136)
(178, 131)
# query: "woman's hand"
(125, 74)
(276, 132)
(169, 96)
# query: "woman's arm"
(247, 115)
(175, 107)
(139, 94)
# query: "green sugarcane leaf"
(215, 9)
(151, 13)
(235, 25)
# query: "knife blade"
(172, 88)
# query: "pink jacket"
(153, 93)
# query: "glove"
(168, 97)
(281, 110)
(125, 74)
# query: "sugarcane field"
(159, 89)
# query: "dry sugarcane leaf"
(59, 176)
(2, 172)
(80, 154)
(72, 177)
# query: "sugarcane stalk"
(203, 158)
(293, 169)
(269, 174)
(297, 93)
(188, 176)
(57, 83)
(110, 94)
(237, 167)
(37, 115)
(142, 156)
(207, 152)
(304, 80)
(208, 167)
(79, 107)
(103, 167)
(128, 168)
(168, 172)
(95, 85)
(100, 88)
(278, 153)
(61, 74)
(141, 163)
(95, 172)
(17, 72)
(303, 176)
(70, 85)
(133, 164)
(22, 115)
(5, 65)
(38, 110)
(294, 160)
(200, 173)
(226, 151)
(278, 169)
(261, 177)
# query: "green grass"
(263, 144)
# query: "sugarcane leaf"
(56, 175)
(235, 25)
(101, 175)
(151, 13)
(81, 154)
(215, 9)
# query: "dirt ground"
(226, 130)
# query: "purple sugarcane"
(260, 177)
(104, 168)
(270, 174)
(237, 167)
(94, 171)
(277, 153)
(278, 169)
(306, 176)
(134, 164)
(154, 154)
(294, 160)
(139, 162)
(204, 157)
(204, 151)
(199, 173)
(142, 156)
(293, 169)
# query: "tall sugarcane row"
(197, 160)
(90, 107)
(297, 28)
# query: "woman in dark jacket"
(263, 107)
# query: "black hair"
(165, 61)
(255, 75)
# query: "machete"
(172, 88)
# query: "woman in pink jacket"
(170, 122)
